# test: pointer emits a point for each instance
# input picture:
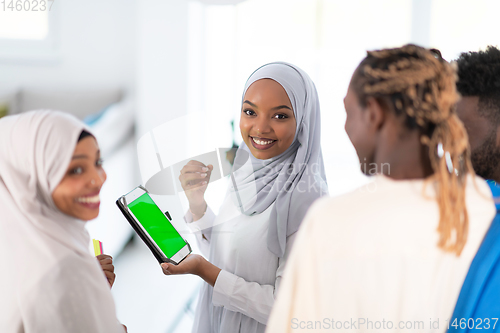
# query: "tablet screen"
(157, 225)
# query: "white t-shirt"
(245, 289)
(368, 261)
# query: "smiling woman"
(77, 194)
(277, 173)
(49, 186)
(267, 121)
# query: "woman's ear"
(374, 114)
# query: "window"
(22, 24)
(325, 38)
(328, 39)
(27, 30)
(459, 26)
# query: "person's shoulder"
(328, 209)
(479, 187)
(358, 208)
(68, 265)
(479, 198)
(357, 196)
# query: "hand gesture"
(194, 179)
(106, 263)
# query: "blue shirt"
(478, 305)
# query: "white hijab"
(49, 281)
(294, 179)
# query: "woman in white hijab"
(278, 172)
(49, 185)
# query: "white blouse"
(245, 289)
(368, 261)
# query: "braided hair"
(419, 85)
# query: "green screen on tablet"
(157, 225)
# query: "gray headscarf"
(295, 178)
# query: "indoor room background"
(129, 66)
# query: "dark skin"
(267, 116)
(380, 137)
(83, 179)
(484, 138)
(106, 262)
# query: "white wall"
(161, 62)
(95, 46)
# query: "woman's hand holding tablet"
(153, 226)
(196, 265)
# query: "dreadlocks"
(419, 85)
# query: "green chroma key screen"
(157, 225)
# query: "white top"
(372, 256)
(49, 282)
(244, 291)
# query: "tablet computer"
(153, 226)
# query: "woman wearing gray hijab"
(277, 174)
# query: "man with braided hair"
(392, 255)
(479, 109)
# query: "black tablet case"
(122, 205)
